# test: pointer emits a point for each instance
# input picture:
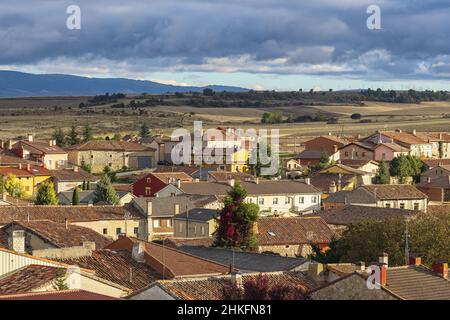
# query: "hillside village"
(87, 218)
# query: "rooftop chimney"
(308, 180)
(17, 241)
(257, 180)
(231, 182)
(440, 135)
(383, 259)
(28, 167)
(414, 259)
(414, 132)
(360, 265)
(75, 169)
(236, 279)
(428, 179)
(4, 195)
(50, 143)
(30, 137)
(441, 268)
(178, 183)
(149, 208)
(138, 252)
(315, 269)
(333, 187)
(335, 148)
(383, 275)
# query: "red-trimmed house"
(153, 182)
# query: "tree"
(76, 196)
(383, 176)
(208, 92)
(60, 137)
(401, 168)
(254, 161)
(88, 185)
(236, 220)
(330, 256)
(73, 138)
(83, 186)
(111, 174)
(13, 186)
(105, 192)
(261, 288)
(441, 149)
(117, 137)
(145, 130)
(46, 195)
(324, 163)
(87, 133)
(86, 167)
(60, 282)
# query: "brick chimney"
(383, 275)
(441, 268)
(16, 241)
(414, 259)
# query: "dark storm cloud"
(259, 36)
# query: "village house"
(46, 153)
(431, 163)
(441, 170)
(21, 273)
(68, 179)
(272, 196)
(293, 168)
(292, 237)
(87, 197)
(109, 221)
(410, 282)
(310, 158)
(212, 288)
(357, 150)
(161, 211)
(116, 154)
(440, 143)
(195, 223)
(10, 159)
(362, 165)
(329, 144)
(48, 239)
(7, 200)
(340, 218)
(437, 189)
(29, 176)
(151, 183)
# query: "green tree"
(401, 168)
(383, 176)
(88, 185)
(60, 137)
(208, 92)
(87, 133)
(13, 186)
(417, 167)
(330, 256)
(111, 174)
(86, 167)
(46, 194)
(105, 192)
(441, 149)
(324, 163)
(144, 130)
(236, 220)
(60, 282)
(76, 196)
(72, 138)
(117, 137)
(83, 186)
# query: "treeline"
(277, 117)
(410, 96)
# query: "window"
(275, 201)
(402, 206)
(180, 228)
(356, 153)
(148, 191)
(105, 231)
(149, 180)
(301, 200)
(118, 230)
(346, 153)
(92, 156)
(156, 223)
(202, 230)
(287, 200)
(387, 205)
(416, 206)
(136, 230)
(383, 156)
(363, 154)
(249, 200)
(313, 199)
(195, 229)
(169, 223)
(261, 201)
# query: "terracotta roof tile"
(73, 175)
(395, 191)
(220, 176)
(211, 288)
(117, 266)
(29, 278)
(58, 295)
(60, 213)
(59, 236)
(298, 230)
(354, 214)
(41, 146)
(111, 145)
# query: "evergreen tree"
(60, 282)
(383, 176)
(73, 138)
(236, 220)
(46, 194)
(76, 196)
(87, 133)
(105, 192)
(60, 137)
(88, 185)
(145, 130)
(83, 186)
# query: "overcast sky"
(261, 44)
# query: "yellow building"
(30, 177)
(230, 160)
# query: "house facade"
(150, 184)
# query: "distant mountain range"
(19, 84)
